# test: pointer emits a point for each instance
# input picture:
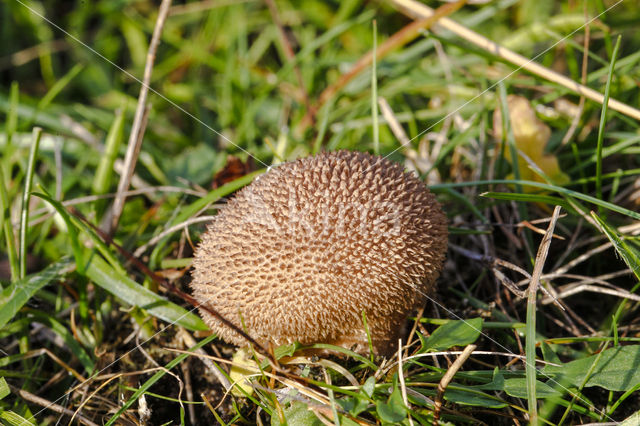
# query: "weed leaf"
(617, 370)
(454, 333)
(123, 287)
(392, 411)
(17, 294)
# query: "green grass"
(86, 328)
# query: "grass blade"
(14, 297)
(546, 187)
(7, 227)
(129, 291)
(528, 198)
(630, 257)
(60, 84)
(26, 197)
(104, 173)
(67, 336)
(12, 113)
(73, 233)
(603, 120)
(111, 277)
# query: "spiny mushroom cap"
(300, 253)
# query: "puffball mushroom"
(304, 250)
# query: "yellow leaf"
(243, 368)
(531, 136)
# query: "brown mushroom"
(304, 250)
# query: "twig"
(140, 250)
(137, 130)
(420, 11)
(527, 224)
(403, 386)
(392, 121)
(621, 293)
(446, 379)
(24, 56)
(189, 341)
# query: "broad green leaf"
(548, 354)
(360, 402)
(354, 404)
(12, 419)
(123, 287)
(17, 294)
(394, 410)
(632, 420)
(297, 413)
(617, 370)
(345, 351)
(193, 164)
(496, 384)
(474, 398)
(369, 386)
(4, 388)
(286, 350)
(454, 333)
(518, 389)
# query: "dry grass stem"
(403, 386)
(444, 382)
(575, 289)
(137, 130)
(420, 11)
(393, 122)
(140, 250)
(541, 257)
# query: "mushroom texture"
(304, 250)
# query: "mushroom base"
(384, 337)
